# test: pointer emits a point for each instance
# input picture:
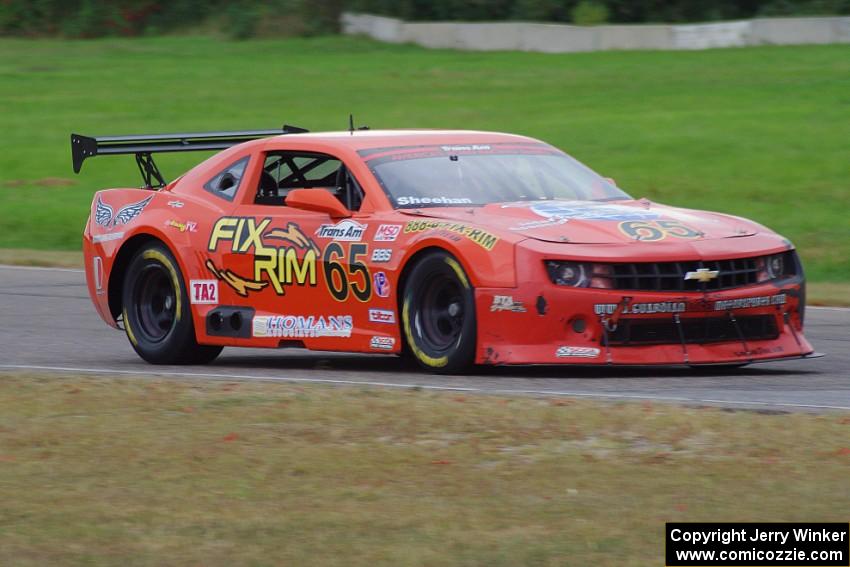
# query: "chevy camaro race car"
(454, 247)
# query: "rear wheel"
(438, 314)
(156, 311)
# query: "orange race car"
(456, 247)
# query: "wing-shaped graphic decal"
(292, 233)
(237, 282)
(129, 212)
(102, 213)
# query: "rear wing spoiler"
(84, 147)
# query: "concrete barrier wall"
(560, 38)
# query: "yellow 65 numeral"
(651, 231)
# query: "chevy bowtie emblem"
(702, 275)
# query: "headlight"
(580, 274)
(571, 274)
(775, 266)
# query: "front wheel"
(438, 314)
(156, 311)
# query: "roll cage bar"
(144, 146)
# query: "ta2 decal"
(203, 292)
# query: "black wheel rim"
(155, 301)
(441, 312)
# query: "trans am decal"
(303, 326)
(103, 214)
(347, 230)
(478, 236)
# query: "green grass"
(102, 471)
(760, 132)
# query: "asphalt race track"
(47, 323)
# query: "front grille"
(694, 331)
(670, 276)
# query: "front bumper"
(545, 324)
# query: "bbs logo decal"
(347, 230)
(203, 291)
(381, 255)
(381, 316)
(382, 284)
(387, 232)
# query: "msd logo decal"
(387, 232)
(347, 229)
(203, 291)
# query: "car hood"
(598, 222)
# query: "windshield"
(462, 175)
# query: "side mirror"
(611, 181)
(318, 200)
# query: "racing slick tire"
(155, 306)
(438, 314)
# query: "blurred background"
(760, 131)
